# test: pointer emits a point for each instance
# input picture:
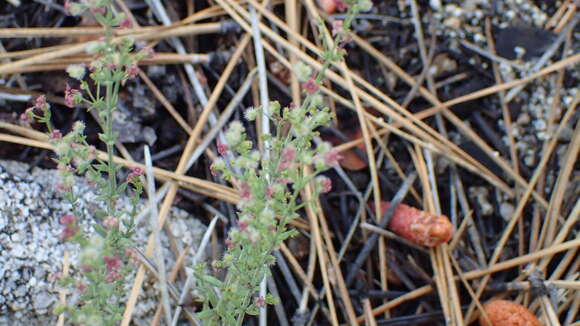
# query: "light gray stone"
(31, 252)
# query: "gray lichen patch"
(31, 252)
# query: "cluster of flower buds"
(69, 222)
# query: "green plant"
(270, 183)
(104, 258)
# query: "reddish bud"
(113, 262)
(55, 135)
(341, 5)
(112, 276)
(81, 287)
(67, 219)
(222, 148)
(326, 185)
(287, 157)
(135, 173)
(229, 243)
(111, 222)
(126, 23)
(285, 181)
(99, 10)
(243, 225)
(269, 192)
(310, 86)
(245, 191)
(68, 232)
(260, 302)
(69, 94)
(149, 52)
(332, 157)
(40, 102)
(132, 70)
(337, 27)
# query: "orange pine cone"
(417, 226)
(508, 313)
(329, 6)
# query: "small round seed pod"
(507, 313)
(420, 227)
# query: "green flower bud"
(274, 108)
(234, 133)
(365, 5)
(76, 71)
(61, 149)
(324, 148)
(78, 127)
(317, 100)
(251, 114)
(219, 164)
(302, 71)
(93, 48)
(75, 9)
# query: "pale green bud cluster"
(76, 71)
(303, 71)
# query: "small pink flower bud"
(269, 192)
(40, 102)
(285, 181)
(69, 94)
(245, 191)
(135, 173)
(27, 116)
(68, 232)
(86, 268)
(149, 52)
(55, 135)
(81, 287)
(337, 27)
(229, 243)
(67, 219)
(222, 148)
(132, 70)
(243, 225)
(310, 86)
(99, 10)
(260, 302)
(126, 23)
(113, 263)
(111, 222)
(133, 257)
(341, 5)
(287, 157)
(112, 276)
(326, 184)
(332, 157)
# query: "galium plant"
(105, 257)
(270, 184)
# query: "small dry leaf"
(508, 313)
(350, 159)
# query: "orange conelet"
(417, 226)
